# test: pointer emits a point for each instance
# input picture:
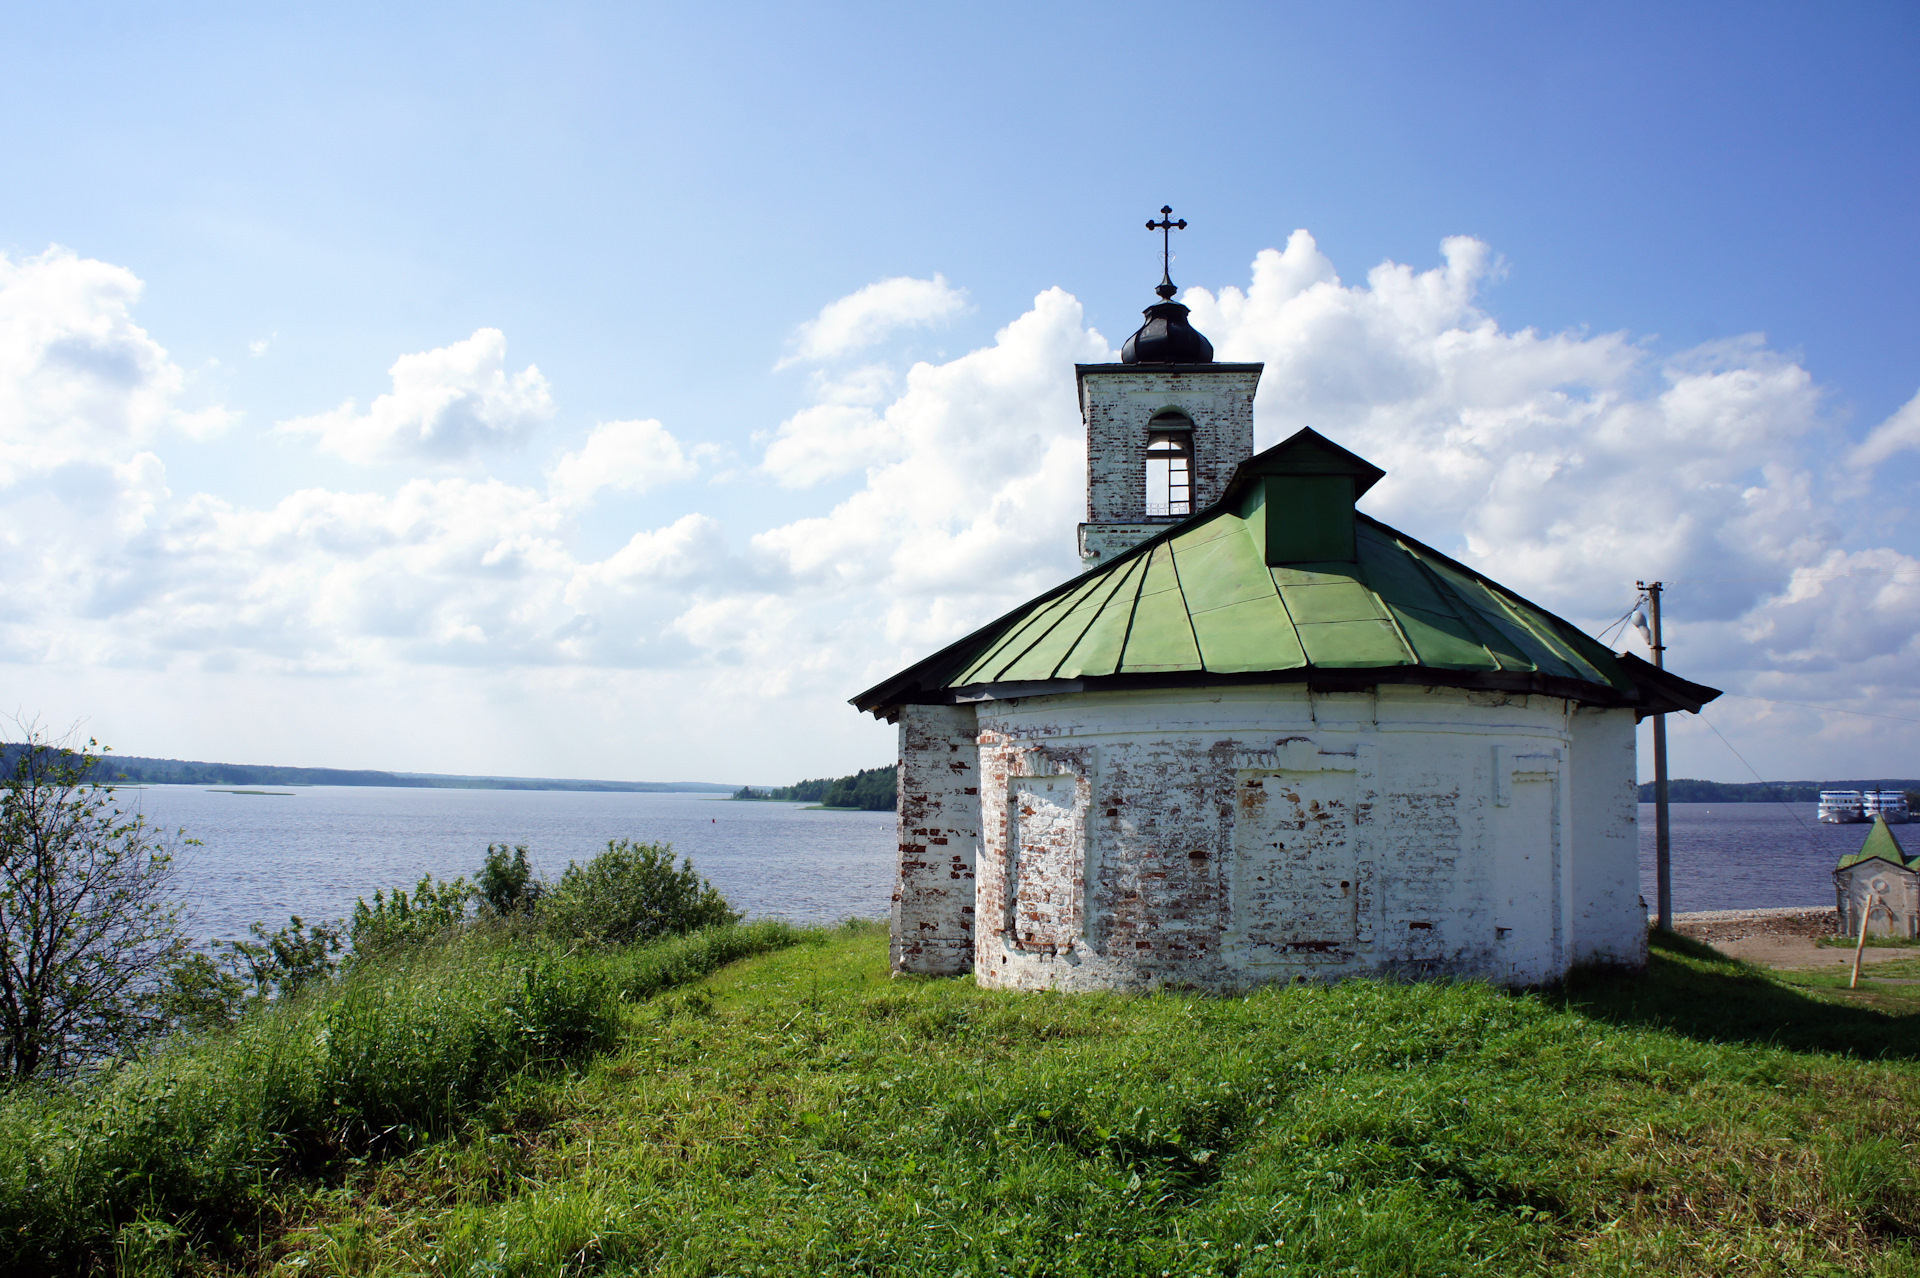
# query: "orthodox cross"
(1166, 226)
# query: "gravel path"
(1777, 937)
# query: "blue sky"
(648, 201)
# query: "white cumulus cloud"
(1566, 464)
(445, 405)
(872, 314)
(625, 457)
(981, 483)
(76, 372)
(1897, 434)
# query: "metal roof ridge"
(1186, 606)
(1119, 583)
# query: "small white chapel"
(1263, 737)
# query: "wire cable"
(1621, 621)
(1765, 784)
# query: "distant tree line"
(870, 789)
(122, 769)
(1690, 790)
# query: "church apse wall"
(1247, 836)
(939, 821)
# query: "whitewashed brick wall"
(1117, 401)
(939, 816)
(1221, 838)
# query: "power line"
(1767, 785)
(1621, 621)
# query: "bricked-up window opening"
(1170, 471)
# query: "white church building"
(1263, 737)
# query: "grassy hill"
(800, 1112)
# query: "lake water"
(1739, 856)
(313, 851)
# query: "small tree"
(506, 883)
(90, 924)
(632, 892)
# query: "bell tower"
(1166, 426)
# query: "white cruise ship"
(1888, 804)
(1855, 807)
(1843, 807)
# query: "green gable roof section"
(1222, 597)
(1880, 846)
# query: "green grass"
(800, 1112)
(732, 1102)
(186, 1152)
(1873, 942)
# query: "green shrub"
(632, 893)
(414, 1043)
(201, 994)
(282, 963)
(396, 921)
(506, 883)
(90, 915)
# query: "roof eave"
(1317, 679)
(1856, 864)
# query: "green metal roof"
(1202, 600)
(1880, 845)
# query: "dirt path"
(1777, 938)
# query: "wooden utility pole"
(1662, 824)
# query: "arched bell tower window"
(1170, 464)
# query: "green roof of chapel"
(1198, 603)
(1880, 845)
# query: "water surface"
(1742, 856)
(312, 850)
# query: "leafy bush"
(201, 994)
(280, 964)
(385, 1055)
(397, 921)
(506, 883)
(321, 1062)
(632, 893)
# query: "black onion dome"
(1167, 338)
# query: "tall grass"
(189, 1142)
(805, 1113)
